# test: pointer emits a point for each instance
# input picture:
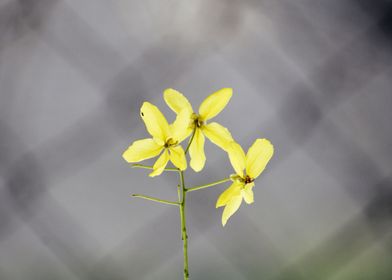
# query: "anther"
(248, 179)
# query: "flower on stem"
(209, 108)
(165, 138)
(254, 162)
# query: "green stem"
(190, 140)
(150, 167)
(156, 199)
(182, 192)
(208, 185)
(182, 200)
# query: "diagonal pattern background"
(312, 76)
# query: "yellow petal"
(237, 157)
(258, 156)
(160, 164)
(228, 194)
(196, 151)
(231, 207)
(176, 101)
(180, 128)
(159, 141)
(154, 120)
(177, 157)
(141, 150)
(217, 134)
(215, 103)
(247, 193)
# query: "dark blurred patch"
(379, 210)
(25, 183)
(125, 95)
(381, 11)
(300, 114)
(35, 12)
(22, 180)
(18, 18)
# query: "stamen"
(170, 142)
(197, 120)
(248, 179)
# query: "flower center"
(243, 180)
(170, 142)
(198, 122)
(248, 180)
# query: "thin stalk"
(184, 234)
(163, 201)
(190, 140)
(207, 185)
(150, 167)
(181, 190)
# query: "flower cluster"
(166, 139)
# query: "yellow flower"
(254, 163)
(209, 108)
(165, 138)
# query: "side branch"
(150, 167)
(208, 185)
(163, 201)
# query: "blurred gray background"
(312, 76)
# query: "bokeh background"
(313, 76)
